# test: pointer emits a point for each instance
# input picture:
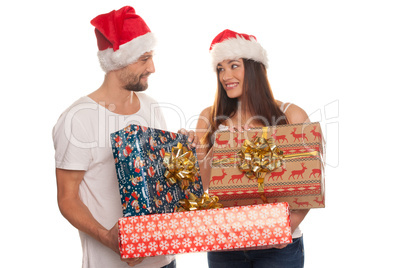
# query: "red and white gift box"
(232, 228)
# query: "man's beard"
(133, 82)
(136, 86)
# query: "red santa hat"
(122, 37)
(229, 45)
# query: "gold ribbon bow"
(180, 166)
(261, 156)
(199, 203)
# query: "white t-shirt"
(81, 139)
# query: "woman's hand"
(241, 128)
(192, 138)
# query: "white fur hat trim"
(127, 53)
(236, 48)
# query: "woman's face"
(231, 76)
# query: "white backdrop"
(339, 60)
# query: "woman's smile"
(229, 86)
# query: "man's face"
(134, 77)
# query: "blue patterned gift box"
(138, 152)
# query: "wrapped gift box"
(139, 153)
(250, 227)
(299, 181)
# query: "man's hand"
(280, 246)
(113, 243)
(133, 261)
(112, 238)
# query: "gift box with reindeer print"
(277, 164)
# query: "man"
(88, 194)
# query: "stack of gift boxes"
(153, 223)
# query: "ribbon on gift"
(180, 166)
(261, 156)
(199, 203)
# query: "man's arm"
(77, 213)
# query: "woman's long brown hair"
(259, 101)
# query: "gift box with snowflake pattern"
(138, 152)
(235, 228)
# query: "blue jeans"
(170, 265)
(292, 256)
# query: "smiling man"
(87, 187)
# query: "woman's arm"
(296, 115)
(204, 154)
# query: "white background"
(341, 61)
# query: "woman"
(244, 99)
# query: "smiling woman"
(231, 75)
(244, 96)
(244, 99)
